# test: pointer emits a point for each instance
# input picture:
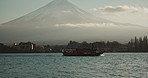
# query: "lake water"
(111, 65)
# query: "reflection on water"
(54, 65)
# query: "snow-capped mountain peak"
(56, 12)
(62, 20)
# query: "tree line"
(140, 44)
(134, 45)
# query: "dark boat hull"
(76, 54)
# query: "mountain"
(58, 11)
(62, 20)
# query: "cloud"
(120, 9)
(94, 9)
(87, 25)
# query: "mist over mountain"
(61, 20)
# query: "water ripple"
(58, 66)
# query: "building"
(24, 46)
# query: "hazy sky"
(125, 11)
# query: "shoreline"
(61, 52)
(128, 52)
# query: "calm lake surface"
(51, 65)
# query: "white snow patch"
(66, 11)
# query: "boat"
(82, 52)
